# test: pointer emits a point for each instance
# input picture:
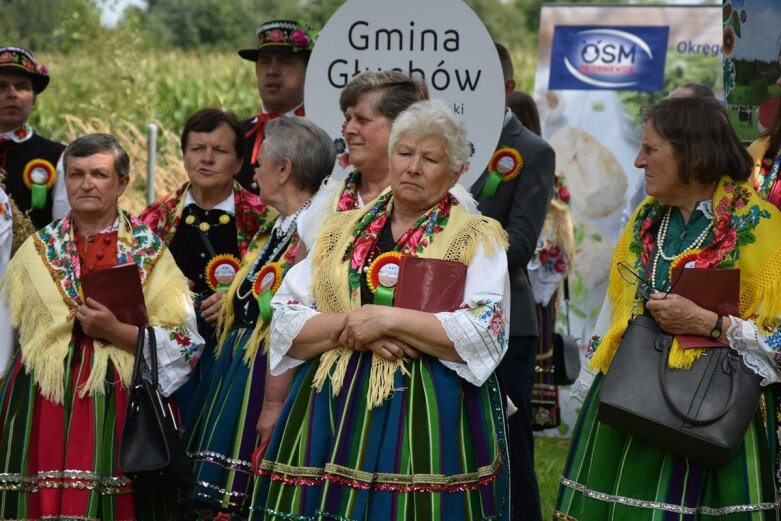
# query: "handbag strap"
(734, 383)
(140, 362)
(566, 302)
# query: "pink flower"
(564, 194)
(414, 239)
(560, 266)
(497, 324)
(299, 38)
(544, 255)
(362, 247)
(276, 36)
(344, 160)
(376, 225)
(222, 516)
(740, 203)
(182, 339)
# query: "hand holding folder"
(119, 289)
(713, 289)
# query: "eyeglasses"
(644, 287)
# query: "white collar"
(228, 205)
(18, 135)
(508, 116)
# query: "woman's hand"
(678, 315)
(269, 415)
(96, 319)
(210, 307)
(99, 322)
(390, 348)
(365, 325)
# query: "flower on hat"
(42, 69)
(276, 36)
(299, 38)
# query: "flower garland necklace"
(287, 228)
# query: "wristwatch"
(715, 333)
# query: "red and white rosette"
(221, 270)
(382, 277)
(39, 176)
(267, 282)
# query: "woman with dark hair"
(702, 212)
(238, 404)
(62, 405)
(208, 223)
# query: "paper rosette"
(218, 268)
(39, 175)
(266, 284)
(505, 165)
(682, 260)
(383, 295)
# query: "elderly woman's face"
(210, 158)
(366, 132)
(420, 171)
(269, 177)
(660, 163)
(93, 185)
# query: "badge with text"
(39, 176)
(266, 283)
(221, 271)
(382, 276)
(505, 166)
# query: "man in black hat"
(281, 56)
(28, 159)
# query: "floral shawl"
(252, 214)
(42, 289)
(745, 237)
(446, 231)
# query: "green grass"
(550, 454)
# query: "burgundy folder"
(430, 285)
(119, 289)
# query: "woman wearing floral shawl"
(62, 405)
(208, 224)
(702, 213)
(393, 413)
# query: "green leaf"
(736, 23)
(726, 12)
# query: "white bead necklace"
(661, 236)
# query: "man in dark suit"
(517, 194)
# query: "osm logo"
(588, 57)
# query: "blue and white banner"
(590, 57)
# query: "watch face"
(715, 333)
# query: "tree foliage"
(42, 25)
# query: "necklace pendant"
(204, 227)
(225, 218)
(190, 219)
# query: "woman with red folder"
(702, 213)
(393, 413)
(62, 405)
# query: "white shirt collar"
(18, 135)
(508, 115)
(228, 205)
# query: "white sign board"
(442, 41)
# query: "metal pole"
(151, 162)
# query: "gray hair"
(91, 144)
(433, 118)
(309, 148)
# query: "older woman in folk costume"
(208, 224)
(295, 157)
(702, 213)
(63, 402)
(393, 413)
(370, 102)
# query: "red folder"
(430, 285)
(119, 289)
(713, 289)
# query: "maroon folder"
(119, 289)
(430, 285)
(713, 289)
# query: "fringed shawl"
(747, 236)
(457, 241)
(42, 291)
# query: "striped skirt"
(436, 449)
(610, 475)
(59, 461)
(223, 415)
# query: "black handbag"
(151, 451)
(566, 353)
(701, 413)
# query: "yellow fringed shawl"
(42, 295)
(458, 241)
(759, 262)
